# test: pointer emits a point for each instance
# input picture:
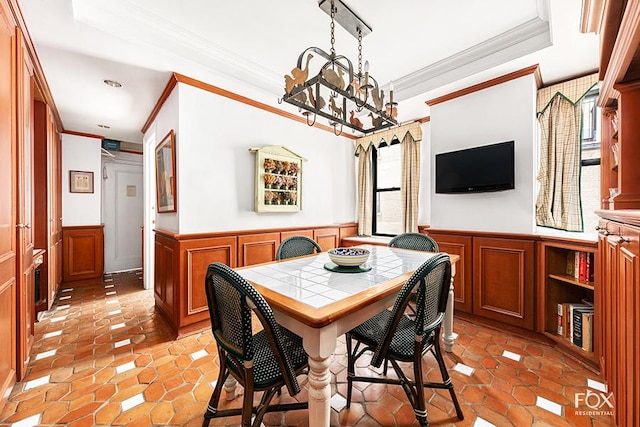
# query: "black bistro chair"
(415, 241)
(395, 337)
(297, 246)
(265, 361)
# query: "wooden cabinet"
(503, 286)
(620, 297)
(83, 252)
(559, 289)
(8, 173)
(462, 287)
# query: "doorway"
(122, 213)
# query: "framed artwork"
(166, 174)
(278, 178)
(80, 182)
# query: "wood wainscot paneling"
(348, 231)
(504, 280)
(83, 252)
(462, 246)
(181, 262)
(327, 238)
(196, 255)
(166, 261)
(257, 248)
(287, 234)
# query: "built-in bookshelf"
(566, 285)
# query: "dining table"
(320, 305)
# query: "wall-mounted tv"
(475, 170)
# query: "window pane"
(389, 166)
(590, 191)
(388, 213)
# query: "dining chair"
(264, 361)
(395, 337)
(297, 246)
(415, 241)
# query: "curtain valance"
(572, 90)
(386, 136)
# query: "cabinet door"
(7, 211)
(630, 330)
(503, 280)
(459, 245)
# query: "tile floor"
(103, 357)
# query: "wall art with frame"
(166, 196)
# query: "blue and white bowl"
(349, 257)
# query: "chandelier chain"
(333, 26)
(359, 53)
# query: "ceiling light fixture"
(112, 83)
(337, 92)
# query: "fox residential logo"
(599, 403)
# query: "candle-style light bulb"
(391, 93)
(366, 66)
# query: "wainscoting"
(83, 252)
(181, 263)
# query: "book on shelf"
(587, 331)
(573, 321)
(580, 265)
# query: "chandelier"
(337, 92)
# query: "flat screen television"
(476, 170)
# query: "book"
(591, 268)
(560, 314)
(587, 331)
(578, 330)
(576, 264)
(570, 262)
(582, 268)
(571, 319)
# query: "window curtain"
(411, 134)
(560, 117)
(410, 165)
(365, 191)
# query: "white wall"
(82, 154)
(215, 169)
(500, 113)
(166, 120)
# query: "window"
(590, 171)
(387, 206)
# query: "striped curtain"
(410, 184)
(560, 114)
(365, 191)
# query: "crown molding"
(524, 39)
(122, 18)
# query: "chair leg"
(446, 379)
(212, 408)
(247, 404)
(419, 408)
(350, 369)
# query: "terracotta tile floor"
(103, 357)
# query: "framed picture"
(166, 174)
(80, 182)
(278, 179)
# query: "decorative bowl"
(349, 257)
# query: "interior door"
(24, 230)
(7, 210)
(122, 215)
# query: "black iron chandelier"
(337, 92)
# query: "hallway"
(103, 357)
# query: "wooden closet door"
(7, 210)
(24, 235)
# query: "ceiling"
(426, 47)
